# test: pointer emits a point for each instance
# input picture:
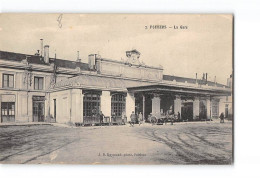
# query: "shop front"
(7, 108)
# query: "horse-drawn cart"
(162, 119)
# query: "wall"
(76, 105)
(63, 106)
(105, 102)
(130, 105)
(177, 105)
(208, 106)
(24, 91)
(114, 68)
(196, 107)
(222, 103)
(156, 101)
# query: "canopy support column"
(156, 105)
(143, 107)
(177, 105)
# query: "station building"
(37, 88)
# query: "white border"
(247, 120)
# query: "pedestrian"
(140, 118)
(179, 116)
(221, 117)
(113, 118)
(133, 119)
(170, 116)
(123, 118)
(101, 117)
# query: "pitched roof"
(35, 59)
(189, 80)
(18, 57)
(124, 85)
(100, 82)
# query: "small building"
(37, 88)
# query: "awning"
(126, 85)
(96, 82)
(161, 88)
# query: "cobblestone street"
(181, 143)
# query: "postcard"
(114, 89)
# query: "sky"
(204, 47)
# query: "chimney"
(196, 77)
(46, 53)
(78, 59)
(92, 61)
(41, 46)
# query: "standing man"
(113, 118)
(221, 117)
(123, 118)
(133, 119)
(179, 116)
(101, 117)
(140, 118)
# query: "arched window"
(118, 104)
(91, 103)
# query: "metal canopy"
(164, 89)
(97, 82)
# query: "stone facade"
(53, 92)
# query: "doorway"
(187, 111)
(203, 110)
(139, 104)
(226, 110)
(38, 109)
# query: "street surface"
(181, 143)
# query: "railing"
(91, 120)
(95, 120)
(118, 120)
(106, 120)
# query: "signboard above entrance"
(129, 70)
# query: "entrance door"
(38, 111)
(139, 104)
(203, 110)
(8, 112)
(187, 111)
(226, 111)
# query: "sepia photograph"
(116, 89)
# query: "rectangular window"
(8, 80)
(38, 83)
(91, 104)
(8, 112)
(118, 104)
